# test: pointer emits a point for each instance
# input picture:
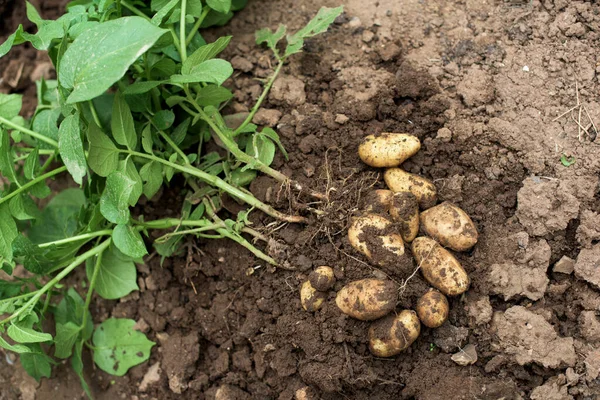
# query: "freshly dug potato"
(394, 333)
(433, 309)
(378, 201)
(450, 226)
(371, 234)
(405, 211)
(367, 299)
(311, 298)
(388, 149)
(322, 278)
(439, 267)
(424, 190)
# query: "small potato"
(388, 149)
(393, 334)
(378, 201)
(433, 309)
(424, 190)
(372, 235)
(311, 298)
(449, 225)
(367, 299)
(439, 267)
(405, 211)
(322, 278)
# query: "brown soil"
(481, 83)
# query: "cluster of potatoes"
(391, 219)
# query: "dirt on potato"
(497, 92)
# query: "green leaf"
(271, 134)
(103, 156)
(118, 347)
(222, 6)
(163, 119)
(114, 202)
(261, 148)
(33, 15)
(151, 174)
(77, 365)
(163, 11)
(117, 274)
(32, 164)
(129, 241)
(66, 336)
(194, 8)
(147, 142)
(23, 208)
(8, 232)
(100, 56)
(46, 123)
(204, 53)
(71, 148)
(24, 334)
(181, 131)
(318, 24)
(71, 310)
(567, 161)
(31, 256)
(213, 95)
(10, 105)
(210, 71)
(16, 348)
(242, 178)
(123, 128)
(129, 169)
(6, 163)
(271, 39)
(37, 365)
(46, 34)
(14, 39)
(59, 218)
(141, 87)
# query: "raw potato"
(424, 190)
(322, 278)
(433, 309)
(388, 149)
(394, 333)
(367, 299)
(378, 201)
(368, 235)
(450, 226)
(311, 298)
(405, 211)
(439, 267)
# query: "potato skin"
(378, 201)
(367, 299)
(322, 278)
(424, 190)
(450, 226)
(439, 267)
(405, 211)
(393, 334)
(311, 299)
(433, 309)
(388, 149)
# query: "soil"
(484, 85)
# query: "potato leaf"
(114, 202)
(271, 38)
(117, 275)
(121, 123)
(21, 333)
(210, 71)
(318, 24)
(222, 6)
(204, 53)
(151, 174)
(71, 148)
(129, 241)
(8, 232)
(10, 105)
(66, 336)
(103, 156)
(37, 365)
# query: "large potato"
(424, 190)
(394, 333)
(433, 309)
(322, 278)
(450, 226)
(439, 267)
(405, 212)
(373, 236)
(388, 149)
(367, 299)
(311, 298)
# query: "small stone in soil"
(151, 376)
(565, 265)
(267, 117)
(466, 356)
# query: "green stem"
(31, 302)
(221, 184)
(31, 183)
(91, 235)
(134, 10)
(170, 142)
(22, 296)
(260, 99)
(94, 114)
(182, 41)
(90, 292)
(49, 161)
(196, 26)
(29, 132)
(175, 39)
(167, 223)
(165, 237)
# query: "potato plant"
(138, 94)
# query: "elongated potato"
(322, 278)
(424, 190)
(393, 334)
(433, 309)
(439, 267)
(367, 299)
(405, 211)
(449, 225)
(311, 298)
(372, 235)
(388, 149)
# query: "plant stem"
(196, 26)
(170, 142)
(134, 10)
(33, 182)
(49, 160)
(182, 40)
(66, 271)
(221, 184)
(212, 227)
(91, 235)
(29, 132)
(88, 297)
(175, 38)
(94, 114)
(171, 222)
